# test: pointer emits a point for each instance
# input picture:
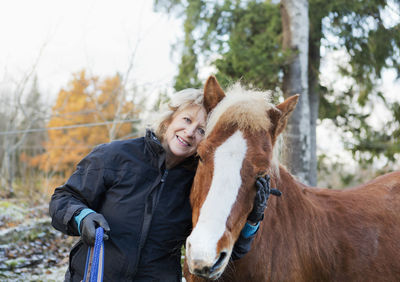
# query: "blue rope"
(95, 259)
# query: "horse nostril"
(202, 271)
(221, 258)
(200, 268)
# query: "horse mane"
(242, 107)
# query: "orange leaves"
(86, 100)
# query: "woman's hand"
(261, 199)
(89, 225)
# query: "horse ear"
(280, 115)
(213, 93)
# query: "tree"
(188, 74)
(18, 114)
(371, 38)
(87, 100)
(233, 29)
(20, 110)
(295, 81)
(32, 145)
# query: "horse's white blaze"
(222, 195)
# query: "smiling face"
(184, 134)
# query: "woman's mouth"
(183, 142)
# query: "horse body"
(308, 234)
(313, 234)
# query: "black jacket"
(146, 206)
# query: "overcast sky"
(96, 35)
(100, 36)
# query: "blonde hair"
(179, 101)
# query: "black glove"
(89, 224)
(261, 199)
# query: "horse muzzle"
(206, 268)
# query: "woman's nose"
(190, 131)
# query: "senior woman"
(138, 191)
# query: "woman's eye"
(187, 119)
(201, 131)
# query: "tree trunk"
(314, 60)
(297, 138)
(6, 176)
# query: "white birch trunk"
(297, 151)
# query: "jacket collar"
(154, 143)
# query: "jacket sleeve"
(243, 243)
(82, 190)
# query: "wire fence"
(35, 130)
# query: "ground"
(30, 248)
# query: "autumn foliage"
(87, 100)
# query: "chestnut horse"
(308, 234)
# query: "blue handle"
(95, 259)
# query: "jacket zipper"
(148, 214)
(152, 203)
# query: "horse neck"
(294, 212)
(293, 199)
(296, 226)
